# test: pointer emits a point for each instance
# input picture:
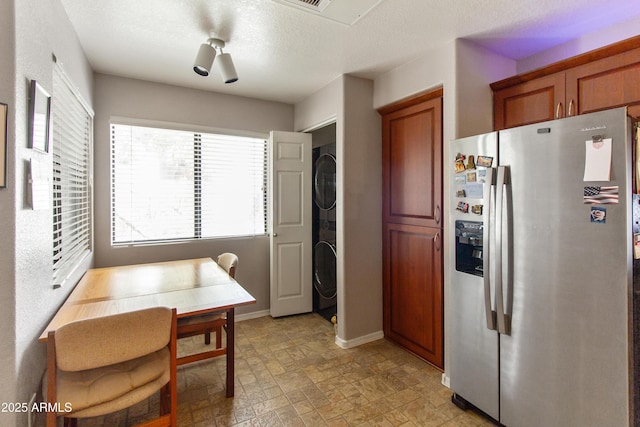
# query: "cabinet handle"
(558, 110)
(436, 240)
(570, 108)
(437, 214)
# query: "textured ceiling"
(282, 53)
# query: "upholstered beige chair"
(207, 323)
(228, 262)
(102, 365)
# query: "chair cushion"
(85, 389)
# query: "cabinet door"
(412, 164)
(529, 102)
(413, 308)
(607, 83)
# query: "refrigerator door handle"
(504, 324)
(489, 201)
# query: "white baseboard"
(252, 315)
(345, 344)
(445, 381)
(359, 341)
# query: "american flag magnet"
(606, 195)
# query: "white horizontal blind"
(72, 136)
(233, 186)
(152, 184)
(176, 185)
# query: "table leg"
(230, 351)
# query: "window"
(174, 185)
(72, 138)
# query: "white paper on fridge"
(597, 161)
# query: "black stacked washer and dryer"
(324, 230)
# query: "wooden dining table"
(191, 286)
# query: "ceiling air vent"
(344, 11)
(317, 5)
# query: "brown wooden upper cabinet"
(598, 80)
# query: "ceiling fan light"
(228, 71)
(204, 59)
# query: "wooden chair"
(102, 365)
(210, 322)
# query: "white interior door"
(291, 245)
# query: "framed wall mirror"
(39, 117)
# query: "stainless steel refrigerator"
(540, 270)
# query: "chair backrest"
(103, 341)
(228, 262)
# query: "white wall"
(38, 29)
(359, 159)
(8, 376)
(476, 67)
(136, 99)
(464, 71)
(589, 41)
(321, 107)
(348, 100)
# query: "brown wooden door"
(606, 83)
(530, 102)
(412, 172)
(412, 226)
(413, 289)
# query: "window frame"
(197, 132)
(65, 266)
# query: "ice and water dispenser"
(469, 247)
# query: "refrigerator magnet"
(599, 215)
(485, 161)
(460, 192)
(458, 165)
(601, 195)
(471, 177)
(471, 164)
(463, 207)
(476, 209)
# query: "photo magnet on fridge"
(459, 163)
(598, 215)
(471, 177)
(485, 161)
(471, 164)
(463, 207)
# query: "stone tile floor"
(289, 372)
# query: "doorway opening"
(324, 221)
